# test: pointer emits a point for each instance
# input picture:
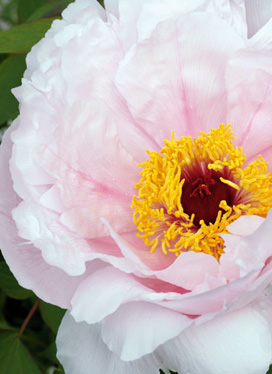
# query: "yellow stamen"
(158, 211)
(230, 183)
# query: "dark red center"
(202, 196)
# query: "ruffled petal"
(72, 12)
(111, 7)
(26, 261)
(138, 19)
(238, 342)
(248, 247)
(258, 12)
(82, 351)
(263, 38)
(103, 292)
(142, 322)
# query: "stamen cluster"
(194, 188)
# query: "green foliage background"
(28, 326)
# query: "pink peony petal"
(245, 225)
(190, 269)
(104, 292)
(139, 19)
(81, 349)
(238, 342)
(249, 246)
(26, 261)
(134, 250)
(179, 100)
(150, 324)
(74, 10)
(262, 39)
(258, 13)
(249, 84)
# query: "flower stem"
(28, 317)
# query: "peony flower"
(136, 185)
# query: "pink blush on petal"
(190, 269)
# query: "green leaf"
(10, 285)
(3, 323)
(50, 8)
(14, 357)
(20, 39)
(48, 358)
(52, 315)
(27, 7)
(8, 13)
(11, 71)
(50, 354)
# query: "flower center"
(202, 197)
(193, 189)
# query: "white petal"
(112, 7)
(138, 328)
(59, 247)
(82, 351)
(102, 294)
(235, 343)
(71, 13)
(263, 38)
(26, 261)
(258, 12)
(139, 18)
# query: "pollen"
(192, 189)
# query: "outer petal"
(237, 342)
(26, 261)
(252, 251)
(138, 19)
(70, 15)
(263, 38)
(72, 12)
(143, 322)
(82, 351)
(258, 12)
(104, 291)
(102, 294)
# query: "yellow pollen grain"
(158, 212)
